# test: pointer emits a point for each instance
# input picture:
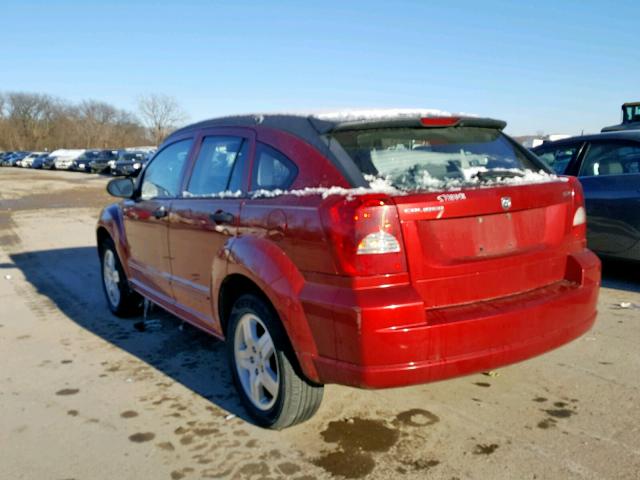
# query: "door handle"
(160, 212)
(222, 217)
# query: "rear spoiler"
(325, 126)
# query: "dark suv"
(373, 251)
(129, 163)
(95, 161)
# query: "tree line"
(36, 121)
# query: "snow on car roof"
(335, 117)
(381, 114)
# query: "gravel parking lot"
(86, 395)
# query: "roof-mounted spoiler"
(327, 126)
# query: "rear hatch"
(467, 246)
(480, 217)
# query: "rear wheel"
(264, 368)
(122, 301)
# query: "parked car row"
(127, 161)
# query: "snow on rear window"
(413, 159)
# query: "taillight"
(377, 243)
(580, 217)
(579, 222)
(364, 234)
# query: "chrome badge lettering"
(506, 203)
(451, 197)
(435, 208)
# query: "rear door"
(610, 178)
(146, 220)
(204, 220)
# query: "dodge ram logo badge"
(506, 203)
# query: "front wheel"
(122, 301)
(274, 392)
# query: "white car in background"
(64, 158)
(27, 161)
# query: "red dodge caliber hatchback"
(375, 251)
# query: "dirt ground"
(85, 395)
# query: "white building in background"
(532, 141)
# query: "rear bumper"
(382, 344)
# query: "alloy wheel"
(111, 277)
(256, 362)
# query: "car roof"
(307, 126)
(313, 128)
(633, 135)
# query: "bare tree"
(161, 114)
(29, 117)
(31, 121)
(96, 123)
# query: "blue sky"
(552, 66)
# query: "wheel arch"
(110, 225)
(260, 267)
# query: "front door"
(146, 220)
(204, 220)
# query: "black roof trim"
(306, 125)
(316, 132)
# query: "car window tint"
(212, 173)
(162, 177)
(559, 158)
(611, 159)
(272, 170)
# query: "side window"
(611, 159)
(272, 170)
(219, 166)
(559, 158)
(162, 176)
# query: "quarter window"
(559, 158)
(219, 167)
(162, 176)
(611, 159)
(272, 170)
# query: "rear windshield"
(416, 158)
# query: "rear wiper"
(496, 173)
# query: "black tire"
(298, 399)
(129, 303)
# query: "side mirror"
(121, 187)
